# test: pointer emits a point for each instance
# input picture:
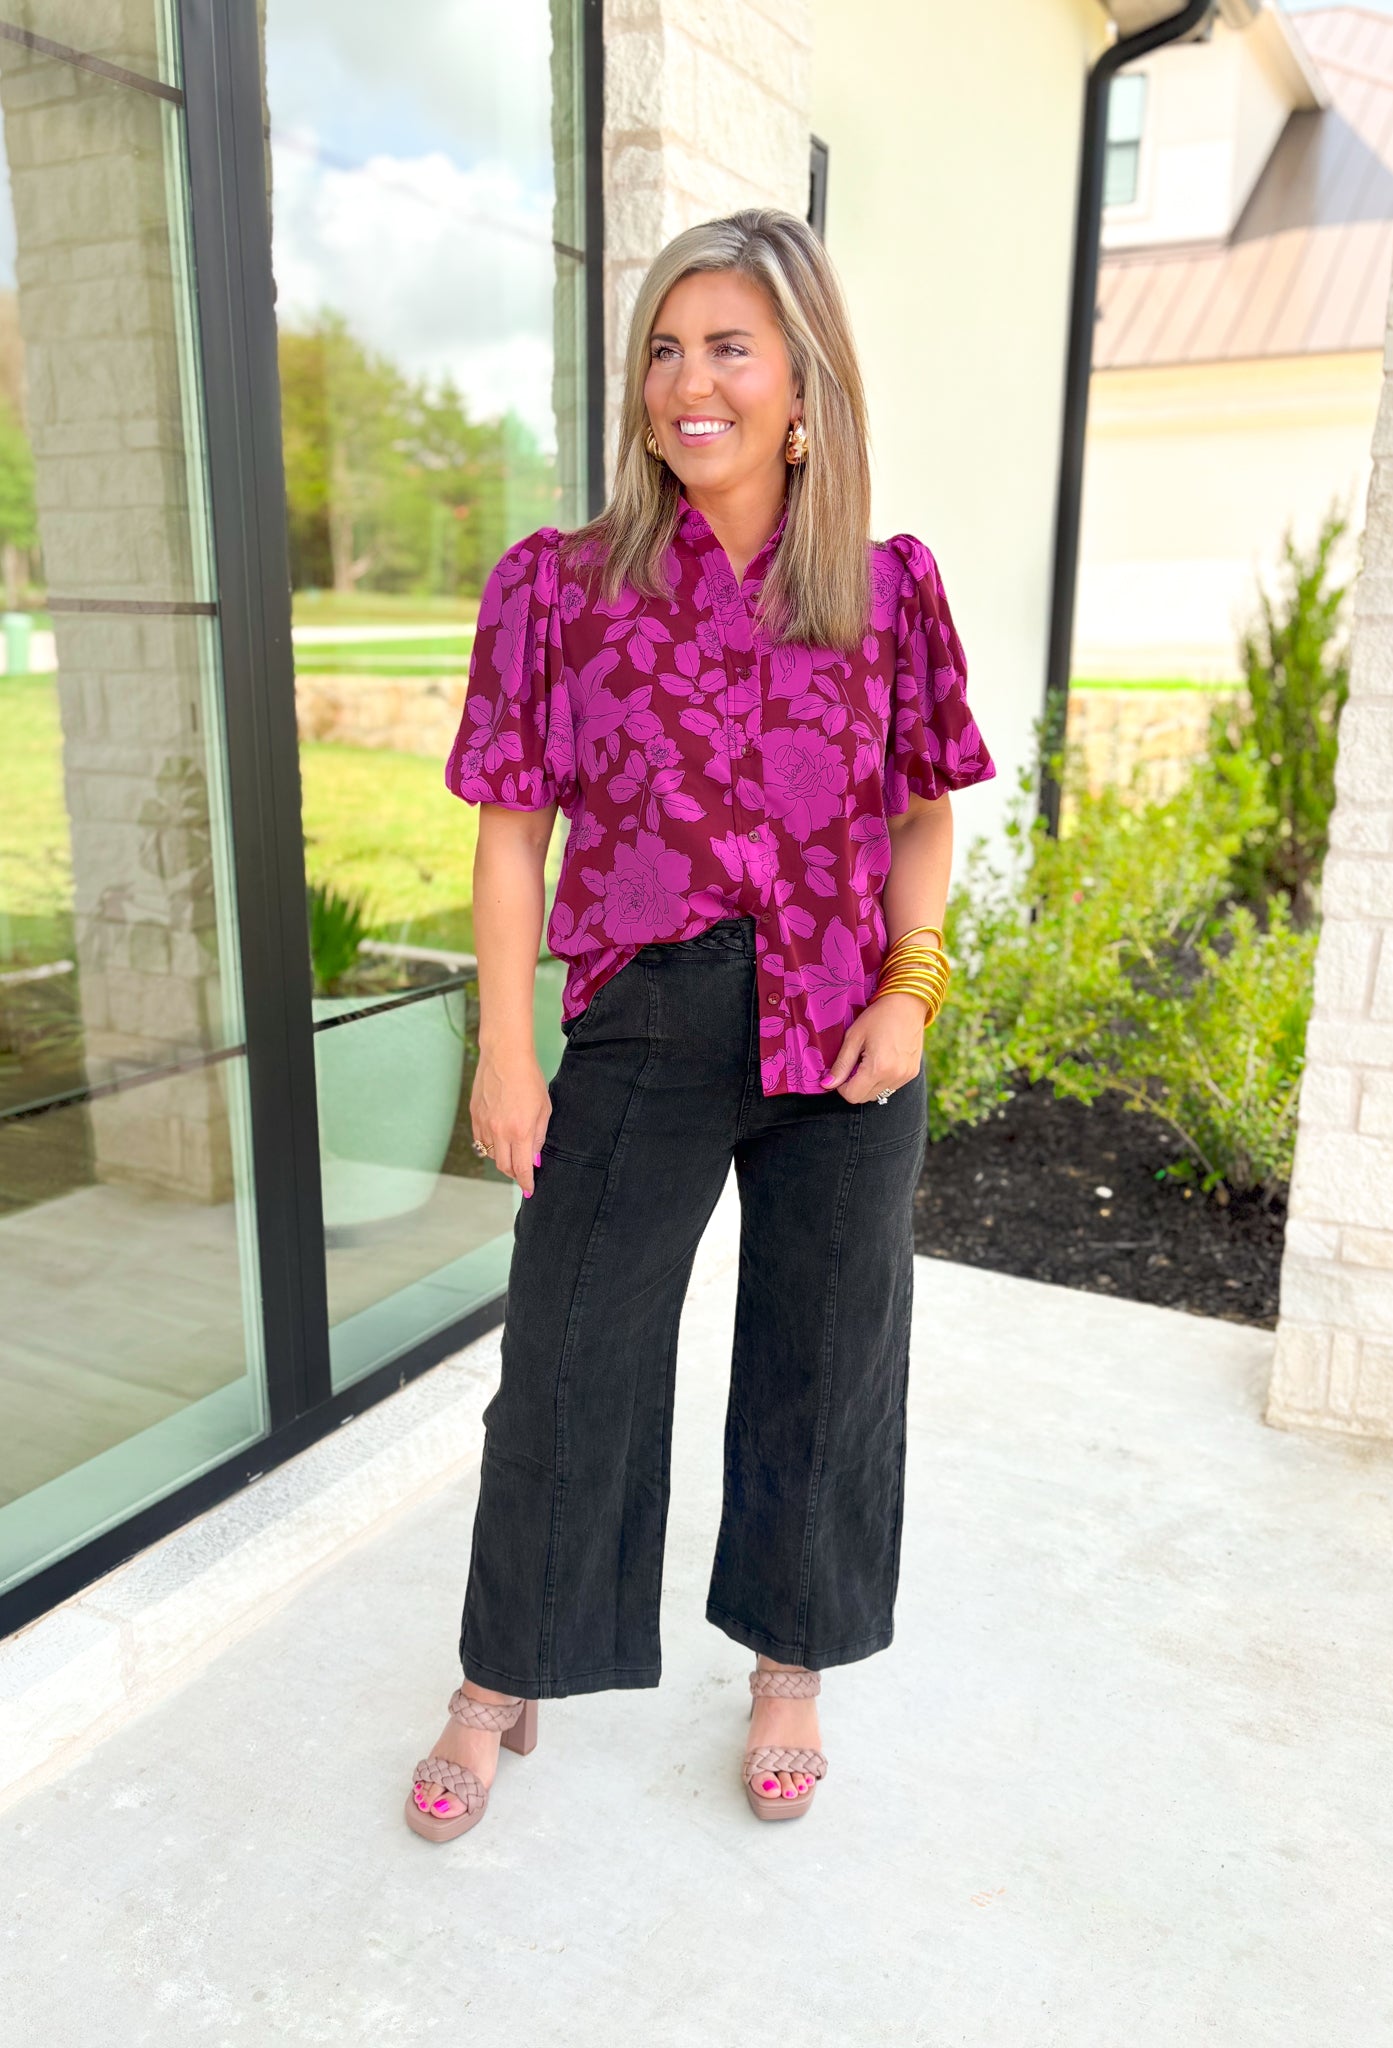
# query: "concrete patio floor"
(1123, 1776)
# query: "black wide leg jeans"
(657, 1090)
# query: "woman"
(752, 718)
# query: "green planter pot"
(388, 1090)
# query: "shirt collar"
(695, 528)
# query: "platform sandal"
(517, 1722)
(784, 1685)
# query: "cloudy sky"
(412, 175)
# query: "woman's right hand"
(510, 1108)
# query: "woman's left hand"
(887, 1040)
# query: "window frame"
(1132, 145)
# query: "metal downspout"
(1079, 365)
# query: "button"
(752, 835)
(776, 999)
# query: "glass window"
(428, 248)
(129, 1348)
(1126, 114)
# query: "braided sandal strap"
(810, 1760)
(785, 1685)
(456, 1779)
(481, 1714)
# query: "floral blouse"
(708, 772)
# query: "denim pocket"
(903, 1120)
(580, 1028)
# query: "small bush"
(338, 924)
(1219, 1061)
(1114, 961)
(1296, 661)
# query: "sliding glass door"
(294, 308)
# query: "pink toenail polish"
(441, 1804)
(770, 1785)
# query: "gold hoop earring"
(650, 442)
(796, 446)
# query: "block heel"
(516, 1721)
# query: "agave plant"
(338, 925)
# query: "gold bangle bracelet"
(914, 929)
(907, 941)
(935, 997)
(925, 970)
(898, 953)
(931, 977)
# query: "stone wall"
(706, 110)
(1334, 1359)
(405, 714)
(1154, 734)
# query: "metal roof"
(1306, 270)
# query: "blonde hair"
(818, 588)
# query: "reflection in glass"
(131, 1361)
(428, 250)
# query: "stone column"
(1334, 1361)
(706, 110)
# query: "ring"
(884, 1096)
(484, 1151)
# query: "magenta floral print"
(708, 773)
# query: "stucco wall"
(1192, 475)
(953, 134)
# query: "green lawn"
(374, 608)
(35, 856)
(385, 827)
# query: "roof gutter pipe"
(1079, 365)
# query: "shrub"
(1111, 963)
(1296, 661)
(338, 924)
(1220, 1062)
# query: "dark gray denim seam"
(572, 1324)
(829, 1349)
(753, 1072)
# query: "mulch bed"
(1023, 1193)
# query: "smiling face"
(720, 390)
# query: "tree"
(389, 483)
(342, 411)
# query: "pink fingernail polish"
(538, 1160)
(527, 1194)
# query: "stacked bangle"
(917, 970)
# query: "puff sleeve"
(514, 745)
(933, 742)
